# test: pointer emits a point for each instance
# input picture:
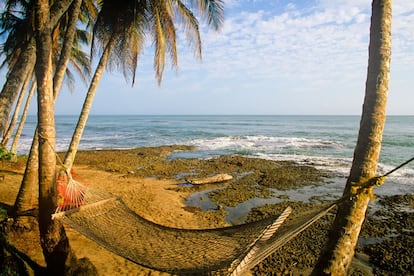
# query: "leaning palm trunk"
(340, 249)
(27, 196)
(65, 54)
(19, 103)
(77, 135)
(15, 79)
(13, 148)
(23, 65)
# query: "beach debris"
(221, 177)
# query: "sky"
(270, 57)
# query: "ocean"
(326, 142)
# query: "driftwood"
(221, 177)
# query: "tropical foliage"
(5, 154)
(42, 38)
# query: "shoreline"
(150, 185)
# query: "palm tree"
(16, 24)
(72, 39)
(339, 251)
(110, 30)
(15, 77)
(27, 196)
(54, 242)
(119, 30)
(16, 138)
(9, 132)
(68, 48)
(20, 48)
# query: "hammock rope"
(108, 221)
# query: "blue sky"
(270, 57)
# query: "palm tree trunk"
(13, 148)
(15, 79)
(19, 103)
(27, 197)
(65, 54)
(53, 239)
(339, 251)
(24, 200)
(77, 135)
(57, 10)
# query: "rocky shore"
(386, 242)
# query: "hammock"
(108, 221)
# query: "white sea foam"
(264, 143)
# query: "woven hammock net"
(108, 221)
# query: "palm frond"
(213, 10)
(191, 27)
(81, 63)
(159, 56)
(70, 80)
(127, 22)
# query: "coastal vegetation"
(5, 154)
(43, 38)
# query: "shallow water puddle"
(331, 190)
(237, 214)
(202, 200)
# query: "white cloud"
(284, 52)
(291, 44)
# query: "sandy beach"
(152, 187)
(152, 198)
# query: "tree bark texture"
(15, 79)
(65, 54)
(27, 197)
(12, 124)
(86, 108)
(19, 130)
(340, 249)
(53, 239)
(24, 200)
